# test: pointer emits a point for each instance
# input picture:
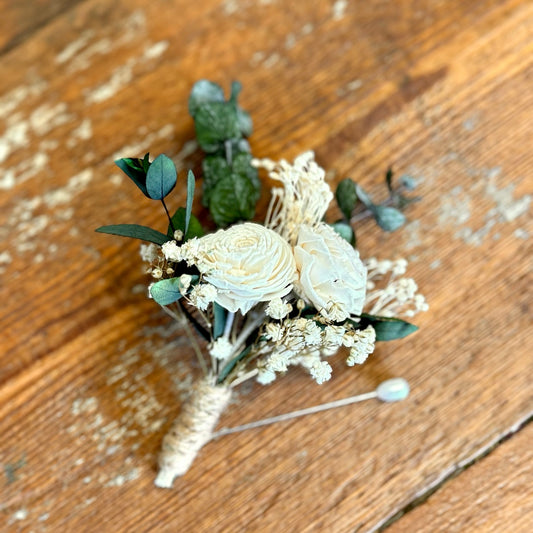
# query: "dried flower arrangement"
(263, 297)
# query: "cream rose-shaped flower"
(331, 275)
(248, 264)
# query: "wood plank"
(92, 373)
(473, 501)
(21, 19)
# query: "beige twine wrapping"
(191, 430)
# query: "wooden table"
(92, 372)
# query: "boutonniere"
(260, 297)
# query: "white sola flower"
(247, 263)
(331, 274)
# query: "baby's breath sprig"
(262, 298)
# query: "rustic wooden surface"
(508, 470)
(91, 373)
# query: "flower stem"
(229, 324)
(199, 328)
(244, 377)
(365, 213)
(180, 317)
(168, 215)
(245, 333)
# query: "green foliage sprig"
(156, 180)
(231, 186)
(356, 205)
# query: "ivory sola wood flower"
(248, 264)
(331, 274)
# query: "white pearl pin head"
(393, 390)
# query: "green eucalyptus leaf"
(236, 88)
(242, 165)
(146, 162)
(136, 232)
(161, 177)
(402, 201)
(388, 218)
(219, 320)
(346, 196)
(387, 329)
(363, 196)
(388, 179)
(214, 168)
(190, 199)
(134, 171)
(178, 219)
(243, 117)
(345, 231)
(166, 291)
(203, 92)
(242, 145)
(132, 162)
(244, 121)
(216, 122)
(232, 199)
(408, 182)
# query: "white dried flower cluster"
(264, 375)
(151, 254)
(249, 263)
(279, 359)
(190, 252)
(333, 339)
(278, 309)
(390, 295)
(221, 349)
(362, 347)
(304, 198)
(305, 341)
(331, 275)
(321, 371)
(273, 331)
(172, 251)
(185, 283)
(202, 295)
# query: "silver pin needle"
(391, 390)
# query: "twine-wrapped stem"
(191, 430)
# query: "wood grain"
(473, 501)
(92, 373)
(22, 19)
